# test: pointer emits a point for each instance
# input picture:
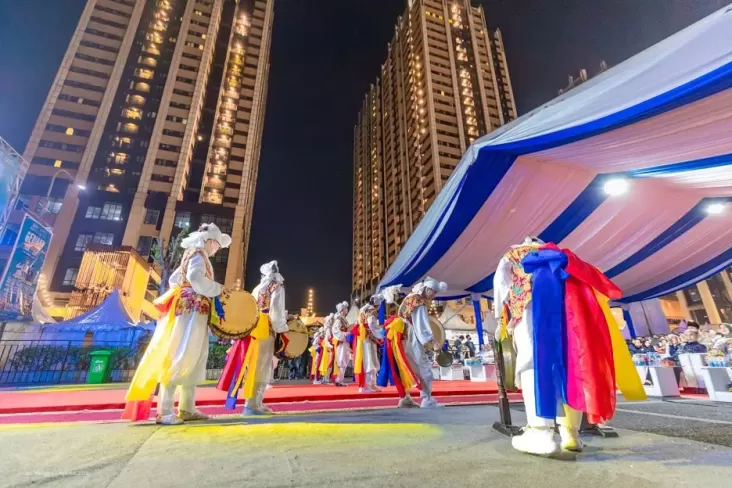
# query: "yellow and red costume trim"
(404, 377)
(155, 363)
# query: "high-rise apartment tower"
(153, 124)
(444, 83)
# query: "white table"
(483, 372)
(718, 381)
(692, 374)
(663, 381)
(451, 373)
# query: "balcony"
(213, 197)
(142, 87)
(137, 100)
(132, 113)
(215, 183)
(130, 128)
(145, 74)
(225, 130)
(217, 170)
(222, 141)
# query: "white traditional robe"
(343, 351)
(370, 355)
(189, 341)
(278, 323)
(419, 336)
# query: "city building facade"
(444, 83)
(153, 124)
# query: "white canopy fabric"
(661, 120)
(452, 320)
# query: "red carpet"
(281, 408)
(68, 400)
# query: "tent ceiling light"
(616, 186)
(715, 209)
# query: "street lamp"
(53, 180)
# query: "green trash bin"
(99, 367)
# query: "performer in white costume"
(342, 348)
(178, 351)
(327, 359)
(316, 353)
(512, 309)
(368, 334)
(411, 335)
(270, 295)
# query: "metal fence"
(49, 362)
(27, 362)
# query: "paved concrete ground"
(394, 448)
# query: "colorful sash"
(241, 365)
(360, 332)
(155, 363)
(325, 360)
(334, 359)
(579, 354)
(401, 371)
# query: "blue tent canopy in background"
(660, 123)
(109, 322)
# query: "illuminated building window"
(50, 205)
(111, 211)
(132, 113)
(130, 128)
(144, 245)
(145, 74)
(57, 163)
(117, 158)
(70, 276)
(182, 220)
(143, 87)
(82, 241)
(70, 131)
(105, 238)
(152, 216)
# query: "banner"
(10, 165)
(20, 278)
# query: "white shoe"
(429, 402)
(571, 440)
(265, 409)
(366, 390)
(536, 441)
(268, 387)
(192, 416)
(317, 382)
(407, 402)
(252, 411)
(168, 420)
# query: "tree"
(168, 255)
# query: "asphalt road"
(697, 420)
(395, 448)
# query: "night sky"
(325, 53)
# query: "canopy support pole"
(478, 320)
(629, 322)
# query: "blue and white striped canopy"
(661, 120)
